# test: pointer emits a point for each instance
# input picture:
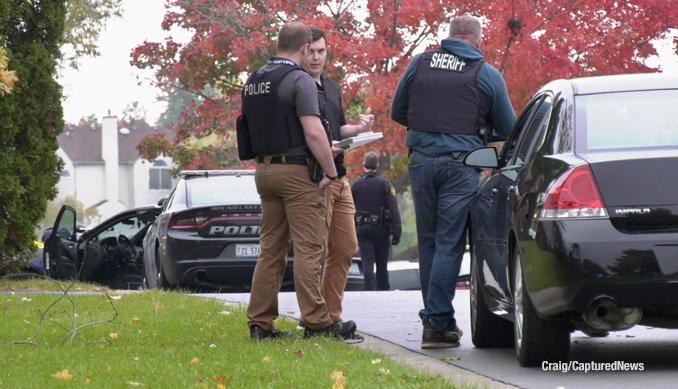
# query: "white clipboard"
(360, 140)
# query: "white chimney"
(109, 153)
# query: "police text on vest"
(447, 62)
(257, 89)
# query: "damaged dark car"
(109, 254)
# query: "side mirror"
(484, 157)
(161, 202)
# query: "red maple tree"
(371, 42)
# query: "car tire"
(487, 329)
(537, 340)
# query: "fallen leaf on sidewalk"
(446, 358)
(290, 312)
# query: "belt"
(285, 160)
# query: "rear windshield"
(222, 190)
(628, 120)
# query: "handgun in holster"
(386, 219)
(483, 134)
(314, 169)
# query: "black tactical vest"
(273, 125)
(444, 96)
(329, 102)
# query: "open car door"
(60, 255)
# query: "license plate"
(247, 250)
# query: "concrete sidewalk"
(391, 326)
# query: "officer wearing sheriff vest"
(377, 217)
(449, 99)
(280, 107)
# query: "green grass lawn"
(172, 340)
(40, 284)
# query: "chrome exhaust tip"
(603, 314)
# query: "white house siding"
(126, 193)
(89, 184)
(142, 193)
(66, 184)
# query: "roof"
(83, 144)
(624, 83)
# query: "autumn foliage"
(371, 42)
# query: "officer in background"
(280, 107)
(377, 217)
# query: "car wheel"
(536, 339)
(487, 329)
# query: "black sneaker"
(258, 333)
(344, 330)
(431, 338)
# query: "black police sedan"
(207, 235)
(576, 226)
(109, 253)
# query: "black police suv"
(576, 226)
(207, 235)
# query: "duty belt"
(367, 218)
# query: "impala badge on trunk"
(632, 211)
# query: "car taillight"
(184, 224)
(574, 195)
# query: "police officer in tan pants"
(280, 106)
(340, 233)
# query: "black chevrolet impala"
(576, 226)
